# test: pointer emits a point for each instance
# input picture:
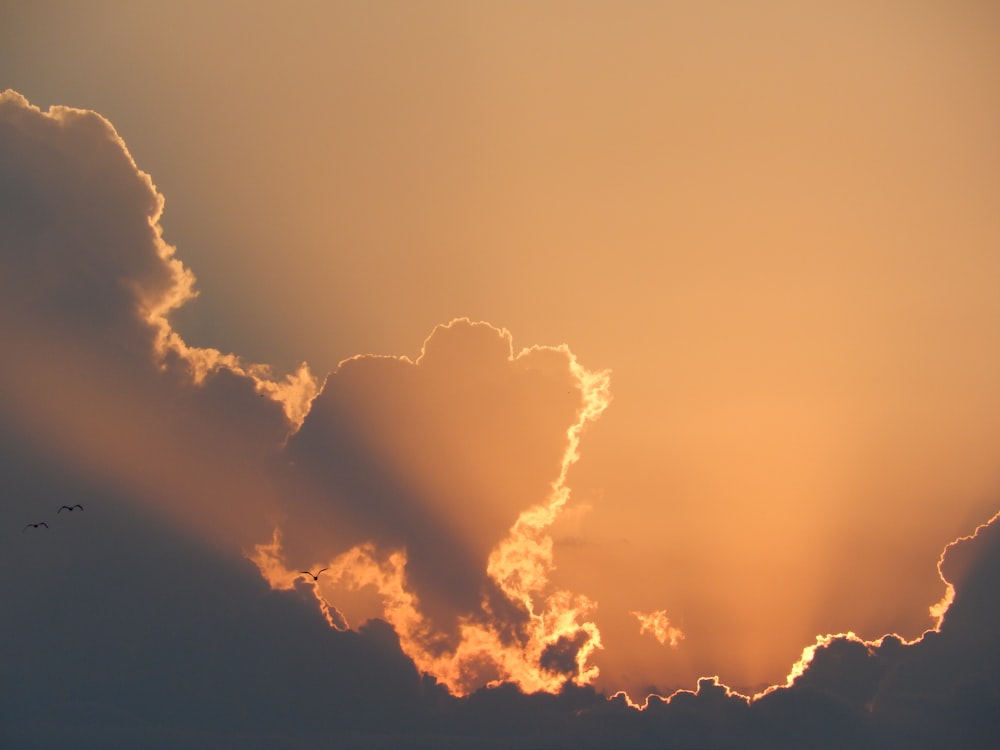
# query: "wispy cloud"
(658, 625)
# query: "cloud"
(119, 631)
(658, 624)
(139, 621)
(938, 689)
(82, 248)
(93, 370)
(433, 483)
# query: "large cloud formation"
(430, 484)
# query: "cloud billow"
(81, 244)
(93, 369)
(436, 459)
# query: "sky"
(628, 369)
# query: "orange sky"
(775, 224)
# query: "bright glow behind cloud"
(469, 446)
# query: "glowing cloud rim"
(519, 564)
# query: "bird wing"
(322, 571)
(43, 524)
(62, 508)
(78, 506)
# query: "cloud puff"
(448, 471)
(658, 624)
(939, 690)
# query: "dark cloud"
(433, 460)
(139, 622)
(561, 657)
(940, 690)
(81, 245)
(93, 371)
(118, 631)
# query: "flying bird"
(70, 508)
(34, 526)
(315, 576)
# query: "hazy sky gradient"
(776, 225)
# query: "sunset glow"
(543, 375)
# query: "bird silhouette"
(70, 508)
(34, 526)
(315, 576)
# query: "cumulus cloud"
(433, 483)
(93, 369)
(938, 690)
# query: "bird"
(315, 576)
(70, 508)
(34, 526)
